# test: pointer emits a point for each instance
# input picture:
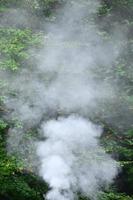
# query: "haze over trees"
(47, 45)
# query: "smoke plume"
(65, 88)
(72, 160)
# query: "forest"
(66, 99)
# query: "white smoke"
(66, 80)
(72, 160)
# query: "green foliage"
(14, 44)
(104, 9)
(15, 182)
(17, 188)
(47, 6)
(38, 7)
(114, 196)
(123, 3)
(121, 145)
(3, 125)
(110, 195)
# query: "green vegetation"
(15, 182)
(14, 44)
(121, 146)
(114, 196)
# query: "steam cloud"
(66, 82)
(72, 160)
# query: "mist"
(61, 95)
